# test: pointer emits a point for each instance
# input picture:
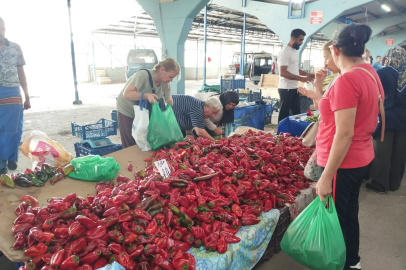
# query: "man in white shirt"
(290, 74)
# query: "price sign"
(389, 41)
(163, 168)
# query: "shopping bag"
(163, 127)
(113, 266)
(315, 239)
(41, 149)
(312, 170)
(140, 124)
(94, 168)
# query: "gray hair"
(213, 103)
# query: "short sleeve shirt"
(11, 57)
(290, 58)
(189, 112)
(353, 89)
(141, 82)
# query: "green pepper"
(68, 213)
(156, 211)
(47, 168)
(7, 181)
(185, 220)
(68, 169)
(37, 182)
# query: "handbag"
(312, 170)
(309, 134)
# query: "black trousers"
(289, 99)
(388, 166)
(346, 188)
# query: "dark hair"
(379, 56)
(351, 40)
(297, 33)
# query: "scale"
(97, 143)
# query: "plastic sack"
(140, 125)
(163, 127)
(94, 168)
(315, 239)
(41, 149)
(113, 266)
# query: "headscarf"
(226, 98)
(396, 59)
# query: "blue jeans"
(2, 163)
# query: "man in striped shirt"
(191, 112)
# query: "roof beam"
(394, 4)
(229, 20)
(352, 14)
(369, 12)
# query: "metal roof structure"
(225, 24)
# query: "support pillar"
(205, 45)
(242, 58)
(173, 21)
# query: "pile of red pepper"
(150, 222)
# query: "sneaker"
(358, 266)
(12, 165)
(375, 187)
(3, 171)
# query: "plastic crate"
(254, 96)
(231, 84)
(283, 224)
(19, 264)
(82, 150)
(101, 129)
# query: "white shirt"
(290, 58)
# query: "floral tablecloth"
(302, 201)
(245, 254)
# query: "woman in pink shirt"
(348, 117)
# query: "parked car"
(140, 59)
(263, 64)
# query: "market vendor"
(190, 113)
(229, 100)
(12, 76)
(154, 83)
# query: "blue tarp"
(293, 124)
(250, 116)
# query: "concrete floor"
(382, 216)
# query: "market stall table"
(295, 124)
(10, 198)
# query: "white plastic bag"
(113, 266)
(41, 149)
(140, 126)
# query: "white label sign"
(163, 168)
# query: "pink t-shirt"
(353, 89)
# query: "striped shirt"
(189, 112)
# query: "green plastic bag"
(209, 88)
(94, 168)
(163, 127)
(315, 239)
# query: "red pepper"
(68, 213)
(137, 252)
(41, 236)
(21, 208)
(96, 233)
(221, 245)
(36, 250)
(198, 232)
(206, 217)
(160, 261)
(125, 217)
(210, 242)
(70, 262)
(188, 238)
(144, 239)
(91, 257)
(141, 214)
(48, 224)
(130, 167)
(23, 228)
(57, 258)
(208, 229)
(102, 262)
(228, 228)
(76, 230)
(216, 226)
(268, 205)
(152, 227)
(108, 221)
(87, 222)
(130, 238)
(236, 209)
(151, 249)
(229, 237)
(249, 219)
(29, 200)
(115, 248)
(236, 223)
(20, 241)
(177, 235)
(25, 218)
(78, 245)
(61, 233)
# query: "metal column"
(94, 62)
(197, 59)
(310, 54)
(72, 49)
(221, 47)
(205, 44)
(242, 58)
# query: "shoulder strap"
(380, 102)
(151, 81)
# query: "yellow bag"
(41, 149)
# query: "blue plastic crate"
(254, 96)
(18, 265)
(101, 129)
(82, 150)
(231, 84)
